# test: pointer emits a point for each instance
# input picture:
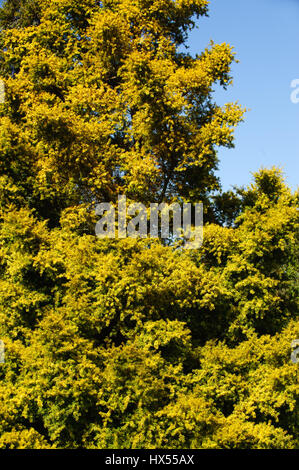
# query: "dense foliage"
(135, 343)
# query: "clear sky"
(265, 35)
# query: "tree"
(131, 343)
(101, 101)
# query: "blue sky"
(265, 36)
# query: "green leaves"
(130, 343)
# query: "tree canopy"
(133, 343)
